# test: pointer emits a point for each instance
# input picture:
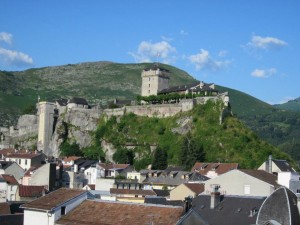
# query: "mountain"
(292, 105)
(100, 82)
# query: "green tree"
(67, 149)
(160, 159)
(123, 155)
(190, 152)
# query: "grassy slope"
(229, 142)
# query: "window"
(25, 161)
(148, 91)
(19, 161)
(149, 85)
(63, 210)
(247, 189)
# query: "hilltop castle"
(81, 118)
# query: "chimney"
(188, 203)
(215, 196)
(270, 164)
(75, 168)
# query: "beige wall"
(180, 192)
(236, 182)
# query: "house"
(112, 213)
(131, 195)
(244, 183)
(185, 190)
(11, 168)
(42, 175)
(113, 170)
(70, 160)
(222, 210)
(279, 208)
(276, 165)
(212, 170)
(79, 173)
(157, 200)
(47, 209)
(8, 188)
(26, 160)
(11, 214)
(161, 179)
(30, 192)
(76, 102)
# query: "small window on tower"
(149, 78)
(149, 85)
(148, 91)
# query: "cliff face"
(75, 125)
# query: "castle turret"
(154, 80)
(47, 114)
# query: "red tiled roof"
(113, 166)
(116, 213)
(196, 188)
(219, 168)
(10, 179)
(54, 199)
(31, 191)
(131, 192)
(4, 208)
(71, 158)
(22, 155)
(30, 170)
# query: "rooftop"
(112, 213)
(262, 175)
(54, 199)
(219, 168)
(196, 188)
(131, 192)
(10, 179)
(31, 191)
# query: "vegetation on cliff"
(205, 139)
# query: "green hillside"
(292, 105)
(100, 82)
(209, 141)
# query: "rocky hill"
(100, 82)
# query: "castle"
(50, 117)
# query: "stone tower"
(154, 79)
(46, 123)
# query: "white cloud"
(203, 61)
(148, 51)
(167, 39)
(6, 37)
(261, 73)
(183, 32)
(266, 43)
(14, 58)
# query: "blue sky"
(252, 46)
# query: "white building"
(48, 209)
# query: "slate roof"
(85, 163)
(262, 175)
(162, 201)
(193, 87)
(167, 179)
(283, 165)
(5, 164)
(10, 179)
(219, 168)
(155, 66)
(62, 101)
(162, 193)
(231, 210)
(116, 191)
(31, 191)
(280, 206)
(54, 199)
(4, 208)
(78, 101)
(196, 188)
(113, 213)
